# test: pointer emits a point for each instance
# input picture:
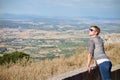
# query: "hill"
(48, 68)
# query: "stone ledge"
(82, 74)
(68, 74)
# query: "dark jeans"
(105, 70)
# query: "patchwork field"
(42, 44)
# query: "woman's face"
(92, 31)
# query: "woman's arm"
(91, 53)
(89, 61)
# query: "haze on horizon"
(67, 8)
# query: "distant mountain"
(14, 16)
(58, 23)
(29, 17)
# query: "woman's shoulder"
(96, 39)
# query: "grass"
(48, 68)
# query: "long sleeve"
(91, 47)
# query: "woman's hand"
(95, 63)
(88, 69)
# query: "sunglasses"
(92, 30)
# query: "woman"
(96, 51)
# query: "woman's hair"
(97, 29)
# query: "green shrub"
(13, 57)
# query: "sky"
(65, 8)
